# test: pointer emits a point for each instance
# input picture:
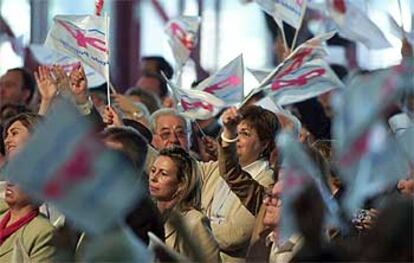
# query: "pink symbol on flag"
(82, 40)
(357, 149)
(185, 38)
(293, 179)
(297, 62)
(231, 81)
(196, 105)
(339, 6)
(300, 81)
(77, 168)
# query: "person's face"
(249, 146)
(406, 186)
(163, 181)
(150, 84)
(273, 207)
(11, 89)
(14, 196)
(16, 137)
(170, 131)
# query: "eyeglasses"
(166, 134)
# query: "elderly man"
(16, 87)
(169, 128)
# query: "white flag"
(312, 49)
(196, 104)
(63, 163)
(84, 37)
(365, 98)
(354, 25)
(48, 57)
(288, 11)
(182, 36)
(298, 171)
(227, 83)
(310, 80)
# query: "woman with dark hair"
(22, 228)
(174, 184)
(252, 135)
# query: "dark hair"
(28, 119)
(264, 122)
(162, 83)
(187, 174)
(28, 81)
(9, 110)
(162, 65)
(150, 100)
(133, 144)
(139, 127)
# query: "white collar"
(256, 167)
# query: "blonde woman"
(175, 186)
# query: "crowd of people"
(213, 187)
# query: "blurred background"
(229, 27)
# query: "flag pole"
(401, 18)
(300, 25)
(108, 82)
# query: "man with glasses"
(169, 128)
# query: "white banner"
(82, 37)
(48, 57)
(227, 83)
(182, 36)
(310, 80)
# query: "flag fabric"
(298, 171)
(288, 11)
(363, 101)
(182, 36)
(259, 74)
(268, 104)
(374, 166)
(48, 57)
(65, 165)
(354, 25)
(227, 83)
(84, 37)
(310, 80)
(308, 51)
(195, 104)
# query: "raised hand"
(79, 85)
(45, 83)
(125, 104)
(230, 118)
(111, 118)
(61, 78)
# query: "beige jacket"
(198, 227)
(231, 222)
(31, 243)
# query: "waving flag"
(364, 100)
(374, 166)
(354, 25)
(196, 104)
(259, 74)
(308, 51)
(227, 83)
(310, 80)
(288, 11)
(48, 57)
(82, 37)
(182, 35)
(298, 171)
(64, 164)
